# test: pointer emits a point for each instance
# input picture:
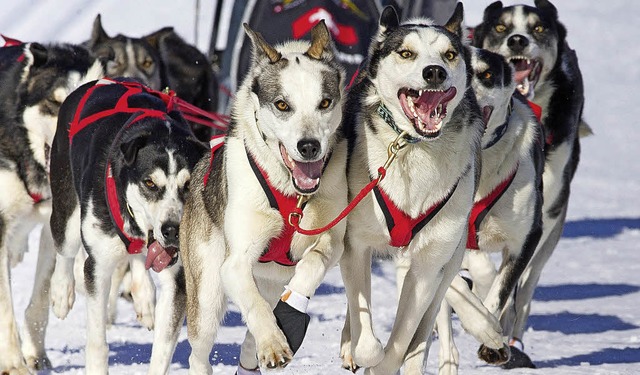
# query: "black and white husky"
(506, 216)
(547, 74)
(34, 80)
(122, 157)
(284, 142)
(414, 98)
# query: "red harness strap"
(537, 111)
(402, 228)
(482, 207)
(279, 248)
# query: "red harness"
(482, 207)
(402, 227)
(279, 249)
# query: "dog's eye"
(150, 184)
(147, 63)
(450, 55)
(406, 54)
(325, 103)
(487, 75)
(500, 28)
(282, 105)
(538, 29)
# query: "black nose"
(170, 232)
(309, 148)
(434, 74)
(517, 43)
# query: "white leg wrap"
(295, 299)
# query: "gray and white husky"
(547, 73)
(413, 97)
(506, 217)
(284, 142)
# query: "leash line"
(296, 216)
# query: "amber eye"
(500, 28)
(538, 29)
(405, 54)
(150, 184)
(147, 63)
(282, 105)
(325, 103)
(450, 55)
(487, 75)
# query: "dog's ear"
(389, 20)
(98, 35)
(130, 148)
(155, 37)
(454, 25)
(38, 52)
(260, 46)
(492, 9)
(546, 6)
(320, 41)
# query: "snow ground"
(585, 317)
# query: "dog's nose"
(170, 232)
(434, 74)
(309, 148)
(517, 43)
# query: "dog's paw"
(494, 356)
(39, 363)
(274, 352)
(143, 292)
(14, 369)
(347, 359)
(486, 330)
(368, 353)
(62, 293)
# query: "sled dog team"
(445, 148)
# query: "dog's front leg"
(169, 317)
(143, 291)
(98, 268)
(271, 344)
(355, 266)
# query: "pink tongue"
(158, 258)
(306, 175)
(486, 114)
(522, 70)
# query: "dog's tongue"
(158, 258)
(523, 69)
(307, 175)
(429, 108)
(487, 110)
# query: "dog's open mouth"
(527, 73)
(159, 257)
(487, 110)
(426, 108)
(305, 175)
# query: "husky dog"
(132, 57)
(548, 75)
(128, 156)
(506, 216)
(34, 81)
(284, 141)
(413, 98)
(161, 59)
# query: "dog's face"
(130, 57)
(492, 83)
(51, 73)
(527, 36)
(419, 71)
(156, 169)
(297, 97)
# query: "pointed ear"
(320, 41)
(546, 6)
(261, 47)
(98, 35)
(493, 8)
(454, 25)
(389, 20)
(38, 52)
(155, 37)
(131, 147)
